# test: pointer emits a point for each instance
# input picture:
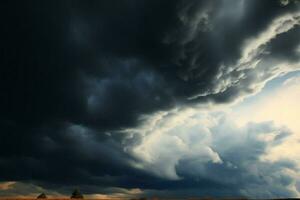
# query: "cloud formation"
(109, 90)
(197, 146)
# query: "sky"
(169, 99)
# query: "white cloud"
(281, 106)
(192, 134)
(166, 141)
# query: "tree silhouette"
(76, 194)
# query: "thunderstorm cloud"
(130, 98)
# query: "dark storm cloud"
(74, 73)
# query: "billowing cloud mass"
(201, 147)
(131, 98)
